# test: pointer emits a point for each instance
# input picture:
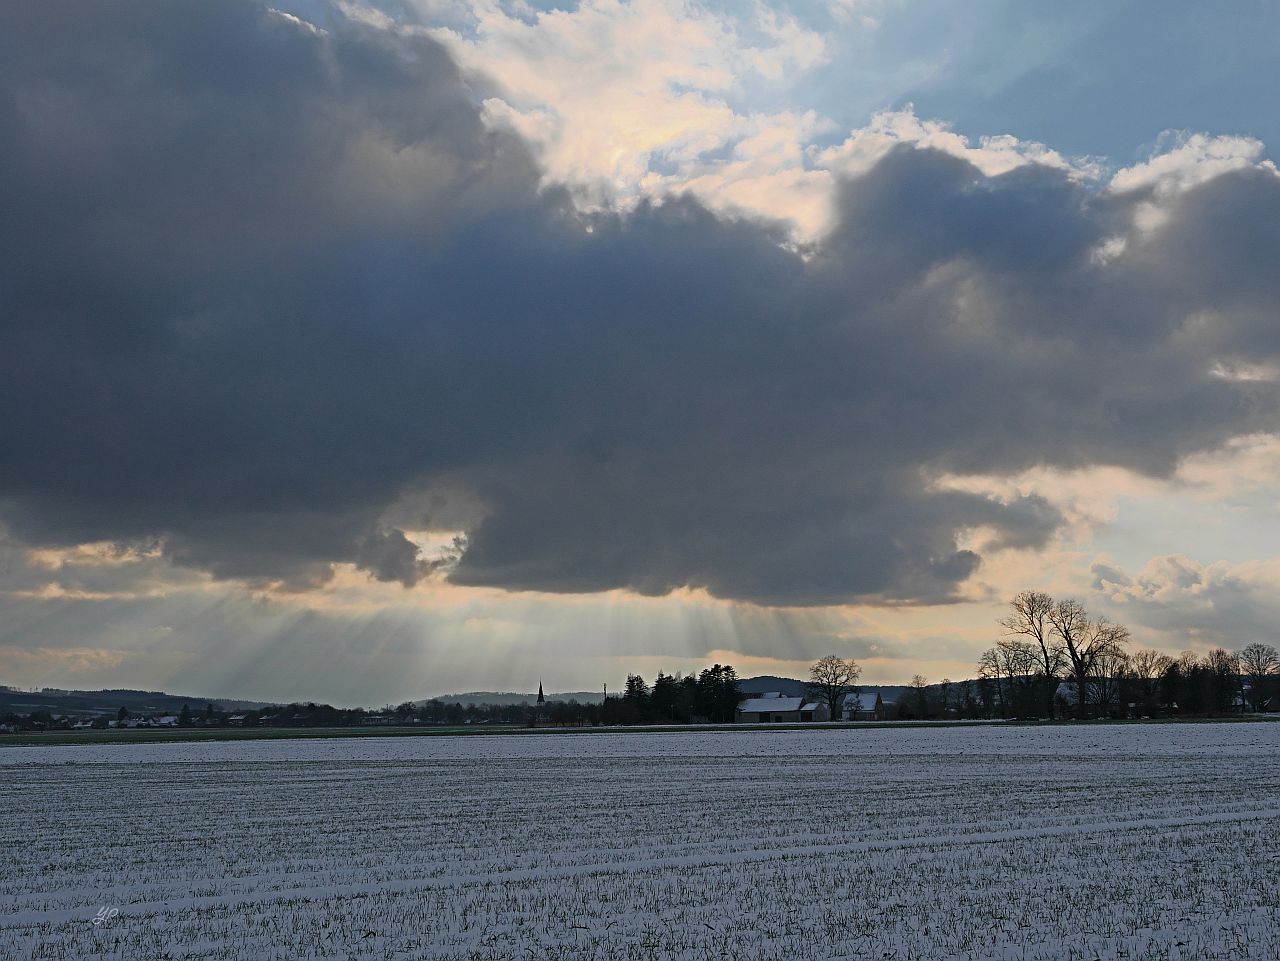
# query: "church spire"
(541, 699)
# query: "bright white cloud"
(992, 155)
(609, 91)
(766, 174)
(1186, 160)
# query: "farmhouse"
(773, 708)
(863, 706)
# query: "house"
(863, 706)
(1065, 697)
(814, 711)
(773, 708)
(168, 720)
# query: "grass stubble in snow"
(1111, 842)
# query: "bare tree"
(830, 679)
(1259, 663)
(1030, 618)
(1147, 667)
(920, 692)
(1021, 660)
(991, 668)
(1085, 642)
(1224, 680)
(1012, 665)
(1110, 670)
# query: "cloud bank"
(263, 286)
(1215, 604)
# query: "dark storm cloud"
(259, 284)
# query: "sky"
(359, 352)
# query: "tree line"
(711, 696)
(1048, 642)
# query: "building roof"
(770, 705)
(860, 701)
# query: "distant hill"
(89, 703)
(496, 698)
(767, 683)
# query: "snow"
(861, 701)
(770, 704)
(1109, 842)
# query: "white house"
(772, 708)
(862, 706)
(1066, 696)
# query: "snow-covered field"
(1110, 842)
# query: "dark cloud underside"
(260, 284)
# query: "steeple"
(541, 699)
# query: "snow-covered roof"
(770, 704)
(1067, 691)
(861, 701)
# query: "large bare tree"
(1259, 663)
(830, 679)
(1029, 617)
(1087, 642)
